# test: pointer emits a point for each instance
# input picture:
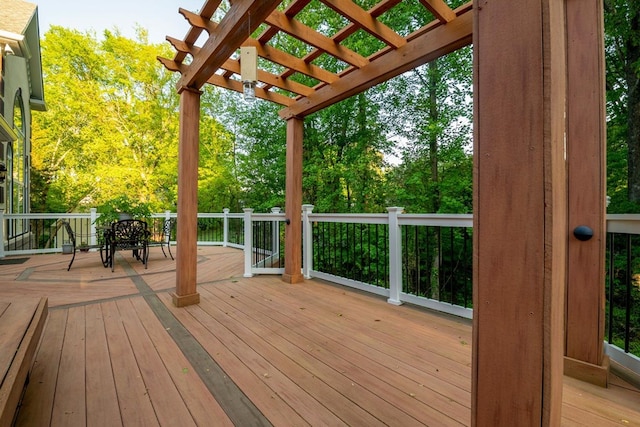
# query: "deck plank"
(355, 376)
(69, 405)
(133, 399)
(608, 403)
(283, 358)
(102, 398)
(576, 416)
(364, 339)
(165, 398)
(203, 407)
(307, 334)
(37, 403)
(355, 387)
(278, 411)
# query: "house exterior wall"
(15, 83)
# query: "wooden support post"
(186, 259)
(586, 152)
(293, 203)
(520, 214)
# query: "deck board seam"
(238, 407)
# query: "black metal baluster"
(611, 283)
(627, 321)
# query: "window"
(16, 160)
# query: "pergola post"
(188, 151)
(293, 202)
(586, 152)
(520, 212)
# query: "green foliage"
(343, 158)
(622, 59)
(111, 126)
(113, 209)
(112, 129)
(623, 292)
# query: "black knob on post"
(583, 233)
(287, 221)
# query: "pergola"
(539, 144)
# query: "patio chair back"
(129, 234)
(165, 238)
(72, 239)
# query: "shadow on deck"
(255, 351)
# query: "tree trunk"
(434, 77)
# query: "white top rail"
(627, 223)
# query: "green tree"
(344, 161)
(112, 123)
(72, 73)
(257, 150)
(218, 187)
(432, 106)
(622, 50)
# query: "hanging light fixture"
(248, 72)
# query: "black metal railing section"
(437, 263)
(354, 251)
(236, 231)
(44, 233)
(210, 229)
(622, 291)
(268, 244)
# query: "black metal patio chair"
(104, 256)
(164, 239)
(128, 234)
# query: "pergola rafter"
(216, 61)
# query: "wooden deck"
(255, 351)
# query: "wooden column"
(586, 152)
(188, 151)
(293, 202)
(520, 215)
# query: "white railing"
(394, 221)
(626, 227)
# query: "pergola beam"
(367, 22)
(207, 11)
(308, 35)
(292, 10)
(440, 41)
(244, 17)
(439, 9)
(236, 86)
(197, 21)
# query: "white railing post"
(275, 235)
(395, 256)
(248, 242)
(92, 226)
(307, 242)
(1, 234)
(225, 227)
